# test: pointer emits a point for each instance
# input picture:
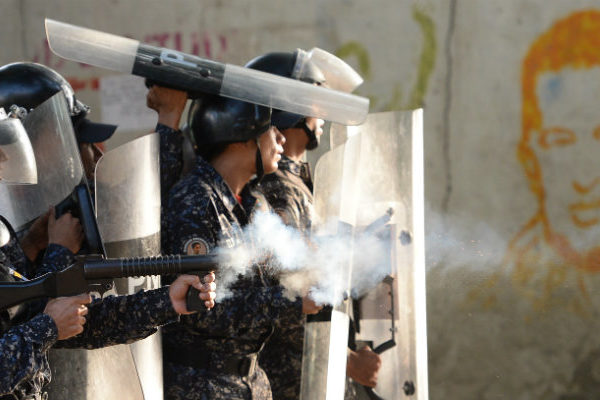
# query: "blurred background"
(510, 94)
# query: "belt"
(241, 365)
(34, 396)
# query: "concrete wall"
(512, 257)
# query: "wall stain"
(359, 52)
(448, 105)
(427, 60)
(356, 49)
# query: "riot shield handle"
(79, 204)
(388, 344)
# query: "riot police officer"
(25, 338)
(27, 334)
(214, 355)
(289, 192)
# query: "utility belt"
(35, 396)
(38, 396)
(220, 363)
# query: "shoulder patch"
(195, 246)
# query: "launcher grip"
(193, 301)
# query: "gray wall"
(512, 261)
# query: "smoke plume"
(329, 268)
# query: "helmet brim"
(93, 132)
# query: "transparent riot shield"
(128, 198)
(58, 162)
(377, 175)
(128, 212)
(326, 334)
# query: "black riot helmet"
(290, 65)
(286, 64)
(28, 85)
(216, 121)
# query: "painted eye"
(597, 133)
(556, 137)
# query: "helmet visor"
(338, 74)
(17, 161)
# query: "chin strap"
(313, 141)
(260, 170)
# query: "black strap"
(260, 170)
(243, 365)
(240, 365)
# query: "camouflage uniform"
(25, 340)
(171, 158)
(289, 192)
(212, 354)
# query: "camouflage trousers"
(184, 382)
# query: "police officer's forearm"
(22, 350)
(245, 306)
(124, 319)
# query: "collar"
(211, 177)
(298, 168)
(160, 128)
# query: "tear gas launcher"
(96, 274)
(198, 76)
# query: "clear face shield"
(338, 74)
(53, 142)
(17, 160)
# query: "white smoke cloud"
(326, 267)
(461, 242)
(322, 265)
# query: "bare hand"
(168, 103)
(309, 306)
(178, 291)
(68, 314)
(363, 366)
(36, 237)
(65, 231)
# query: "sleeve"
(124, 319)
(248, 306)
(22, 350)
(171, 158)
(56, 258)
(16, 257)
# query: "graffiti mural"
(557, 249)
